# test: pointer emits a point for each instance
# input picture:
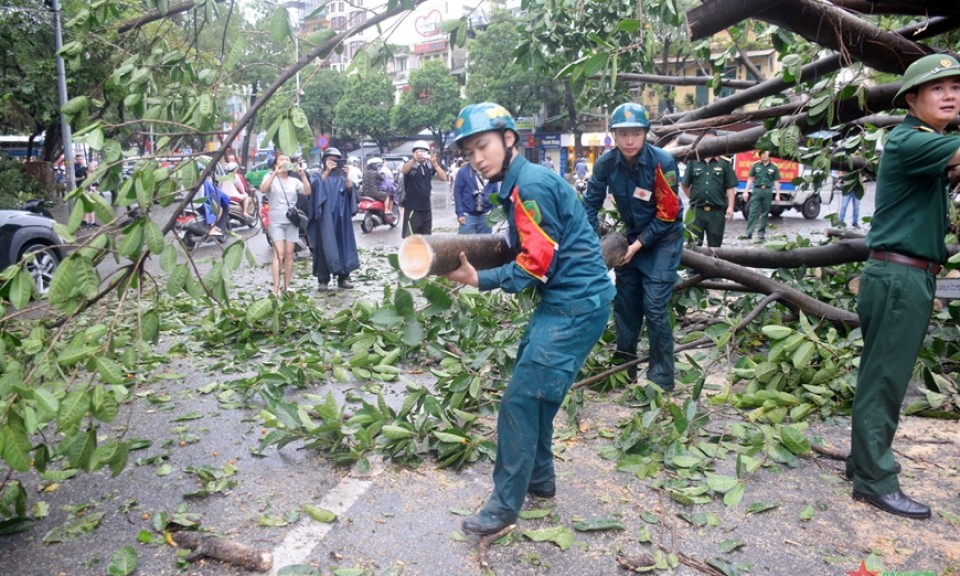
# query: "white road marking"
(301, 541)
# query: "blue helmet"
(630, 115)
(482, 117)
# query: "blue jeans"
(644, 289)
(847, 200)
(475, 224)
(550, 355)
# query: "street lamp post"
(62, 93)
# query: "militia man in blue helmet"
(558, 255)
(642, 179)
(907, 248)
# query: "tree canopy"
(431, 103)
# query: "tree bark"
(437, 254)
(810, 72)
(907, 8)
(682, 80)
(205, 545)
(796, 301)
(716, 15)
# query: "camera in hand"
(290, 167)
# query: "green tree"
(364, 109)
(319, 100)
(521, 89)
(432, 102)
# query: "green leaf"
(559, 535)
(720, 483)
(16, 445)
(21, 289)
(259, 310)
(599, 524)
(734, 496)
(320, 514)
(803, 354)
(72, 408)
(74, 528)
(794, 441)
(729, 545)
(109, 371)
(123, 563)
(154, 237)
(287, 136)
(807, 513)
(233, 256)
(299, 570)
(777, 332)
(761, 507)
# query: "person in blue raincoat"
(558, 255)
(330, 223)
(642, 179)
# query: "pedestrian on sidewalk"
(764, 181)
(559, 255)
(907, 249)
(642, 179)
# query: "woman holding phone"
(282, 190)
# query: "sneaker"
(216, 231)
(745, 237)
(762, 239)
(345, 284)
(323, 287)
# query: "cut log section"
(206, 545)
(437, 254)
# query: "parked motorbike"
(249, 220)
(580, 186)
(39, 206)
(192, 228)
(374, 214)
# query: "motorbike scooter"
(374, 214)
(249, 220)
(192, 228)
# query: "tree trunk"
(437, 254)
(682, 80)
(810, 72)
(205, 545)
(907, 7)
(716, 15)
(796, 301)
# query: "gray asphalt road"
(400, 521)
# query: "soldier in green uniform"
(906, 242)
(710, 185)
(764, 178)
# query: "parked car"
(255, 174)
(23, 234)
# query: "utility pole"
(62, 93)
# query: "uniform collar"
(916, 123)
(506, 186)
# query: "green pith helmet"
(926, 69)
(630, 115)
(483, 117)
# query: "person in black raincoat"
(330, 224)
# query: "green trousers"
(760, 200)
(711, 223)
(894, 305)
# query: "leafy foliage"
(432, 102)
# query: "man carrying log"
(907, 248)
(641, 177)
(558, 254)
